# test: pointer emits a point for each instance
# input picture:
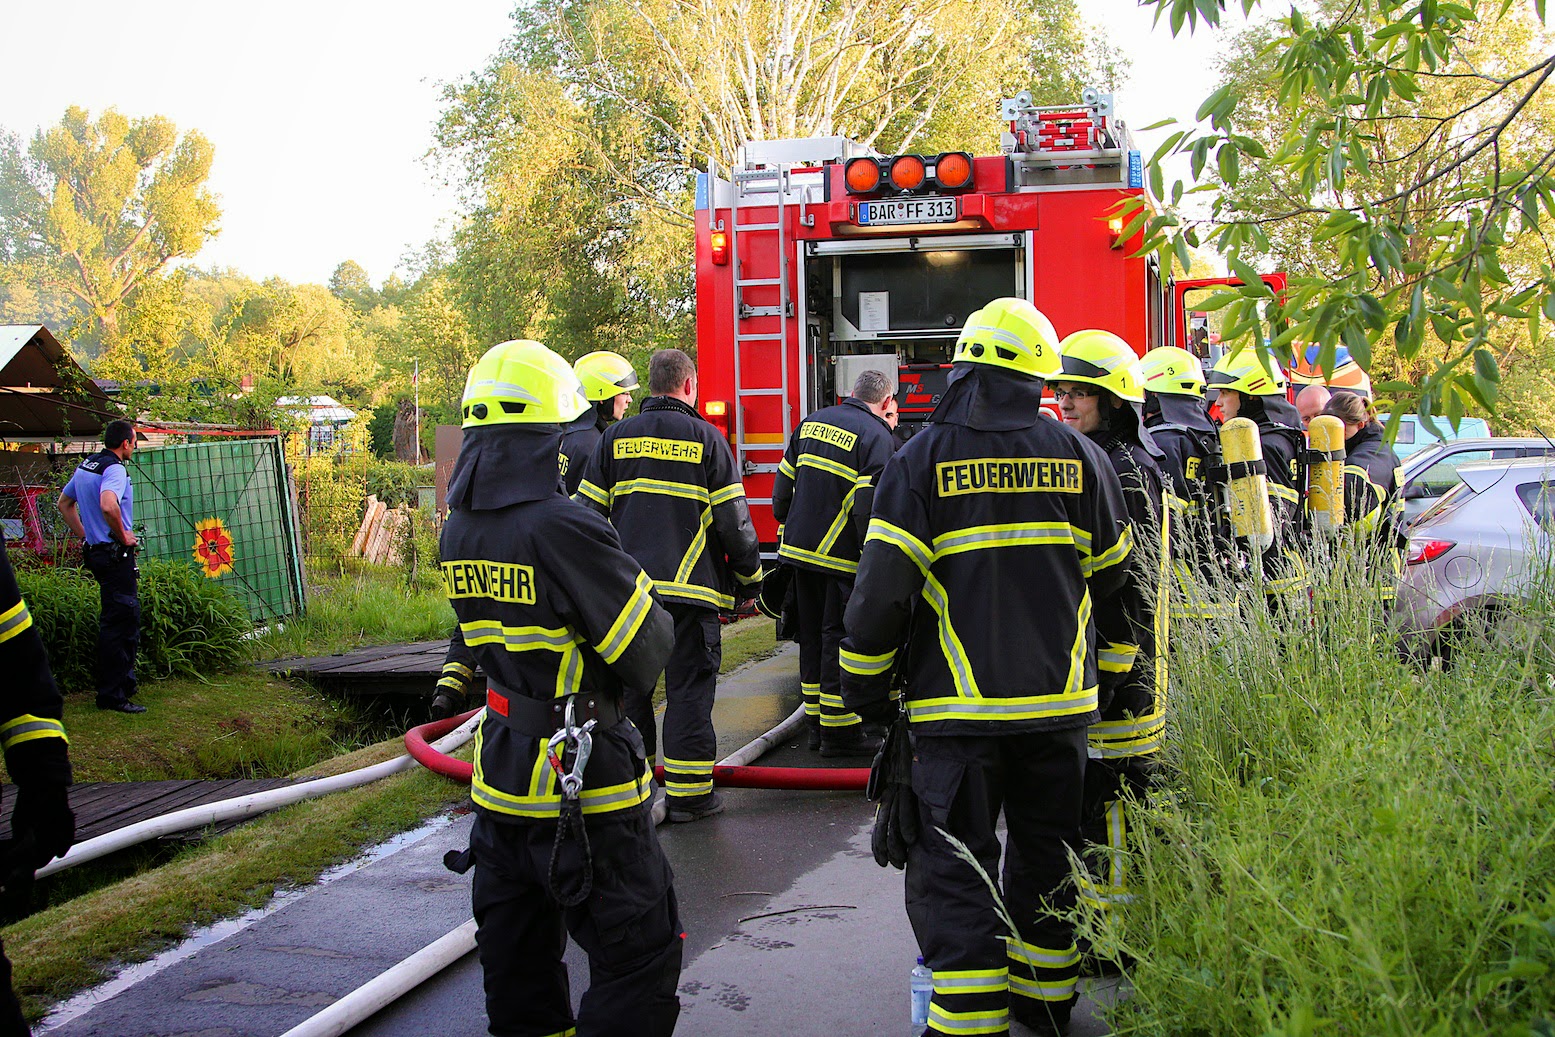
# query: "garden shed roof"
(44, 393)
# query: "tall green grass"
(1346, 843)
(352, 603)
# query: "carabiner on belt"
(580, 740)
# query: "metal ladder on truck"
(756, 183)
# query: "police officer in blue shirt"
(97, 505)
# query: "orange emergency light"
(719, 243)
(862, 175)
(907, 172)
(953, 170)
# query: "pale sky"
(321, 112)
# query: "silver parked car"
(1429, 474)
(1475, 548)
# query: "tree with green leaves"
(95, 208)
(580, 143)
(1408, 149)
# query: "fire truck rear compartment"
(899, 310)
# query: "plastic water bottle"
(922, 984)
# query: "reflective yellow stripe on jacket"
(14, 620)
(27, 728)
(969, 703)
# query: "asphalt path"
(791, 928)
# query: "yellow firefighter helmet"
(521, 383)
(1248, 485)
(1325, 487)
(1012, 334)
(1102, 359)
(1167, 369)
(1242, 371)
(605, 375)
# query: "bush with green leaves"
(189, 626)
(394, 482)
(1346, 843)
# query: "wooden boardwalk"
(406, 669)
(106, 806)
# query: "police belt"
(541, 718)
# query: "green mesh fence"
(224, 508)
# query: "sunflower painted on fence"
(213, 547)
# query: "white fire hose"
(385, 988)
(245, 806)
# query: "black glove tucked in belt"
(890, 787)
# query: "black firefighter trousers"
(822, 598)
(690, 682)
(628, 926)
(962, 782)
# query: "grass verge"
(243, 725)
(77, 944)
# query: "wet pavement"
(791, 928)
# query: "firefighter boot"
(684, 809)
(812, 732)
(854, 740)
(1045, 1019)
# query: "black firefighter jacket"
(1373, 502)
(1283, 442)
(1009, 527)
(32, 732)
(825, 486)
(667, 481)
(549, 605)
(579, 441)
(1134, 719)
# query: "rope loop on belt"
(580, 740)
(571, 817)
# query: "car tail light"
(1424, 550)
(719, 242)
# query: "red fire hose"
(814, 779)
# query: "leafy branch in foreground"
(1404, 154)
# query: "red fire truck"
(819, 258)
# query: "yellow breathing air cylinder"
(1325, 479)
(1247, 486)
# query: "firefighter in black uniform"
(667, 480)
(1180, 424)
(1247, 390)
(1373, 503)
(608, 381)
(1011, 528)
(1125, 744)
(822, 495)
(32, 735)
(560, 619)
